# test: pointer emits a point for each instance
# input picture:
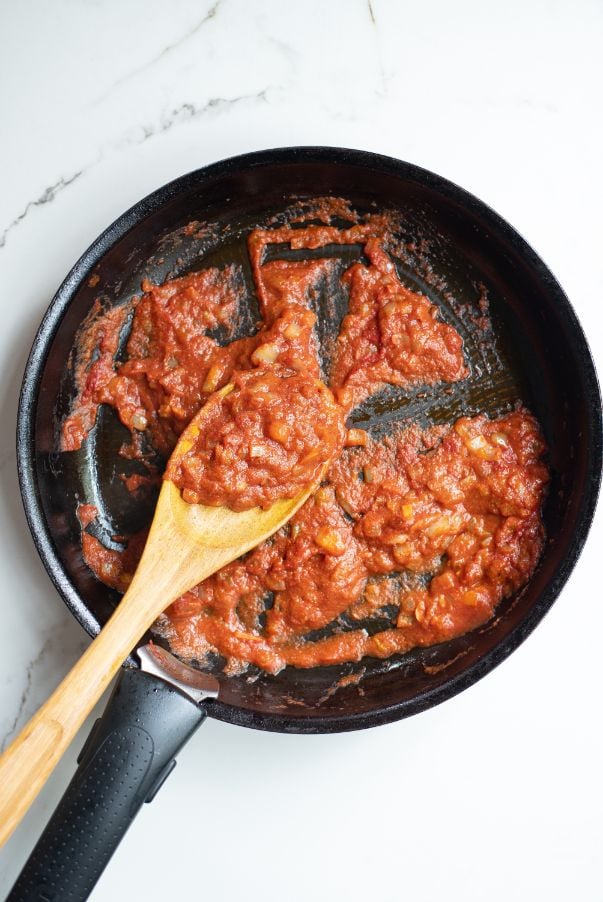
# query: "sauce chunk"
(267, 439)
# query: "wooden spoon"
(186, 544)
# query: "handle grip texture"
(125, 760)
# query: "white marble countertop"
(496, 794)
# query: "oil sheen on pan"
(422, 529)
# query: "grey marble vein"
(166, 51)
(183, 113)
(47, 196)
(25, 693)
(289, 52)
(188, 110)
(382, 76)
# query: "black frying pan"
(537, 352)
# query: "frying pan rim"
(26, 417)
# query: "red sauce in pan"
(390, 334)
(172, 365)
(267, 439)
(428, 529)
(460, 505)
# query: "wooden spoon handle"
(34, 753)
(186, 544)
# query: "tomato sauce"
(426, 530)
(172, 364)
(267, 439)
(391, 335)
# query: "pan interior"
(450, 252)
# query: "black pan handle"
(125, 760)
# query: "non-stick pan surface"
(536, 352)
